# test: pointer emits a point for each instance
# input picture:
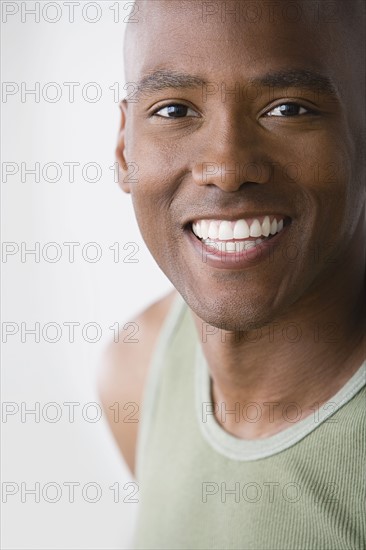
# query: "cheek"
(327, 172)
(161, 167)
(151, 197)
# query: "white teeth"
(204, 229)
(197, 229)
(255, 229)
(239, 246)
(241, 230)
(213, 232)
(225, 231)
(274, 227)
(266, 226)
(230, 247)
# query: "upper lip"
(234, 217)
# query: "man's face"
(254, 131)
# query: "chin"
(231, 314)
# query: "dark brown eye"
(175, 111)
(288, 110)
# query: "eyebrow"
(162, 79)
(291, 78)
(298, 78)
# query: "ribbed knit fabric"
(202, 488)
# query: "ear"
(120, 151)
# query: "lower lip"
(236, 260)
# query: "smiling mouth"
(239, 235)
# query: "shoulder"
(123, 372)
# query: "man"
(246, 125)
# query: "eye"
(175, 110)
(288, 110)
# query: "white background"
(102, 292)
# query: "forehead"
(208, 35)
(242, 40)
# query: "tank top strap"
(170, 326)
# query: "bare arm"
(123, 374)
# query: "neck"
(300, 360)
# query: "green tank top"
(202, 488)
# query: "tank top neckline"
(247, 450)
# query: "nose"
(233, 158)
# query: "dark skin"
(244, 312)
